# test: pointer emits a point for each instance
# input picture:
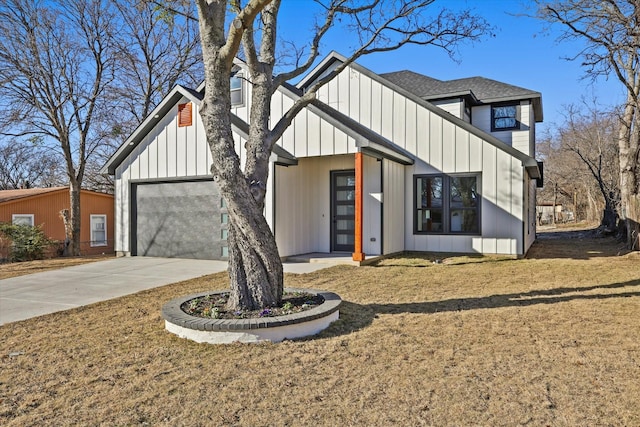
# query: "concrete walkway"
(36, 294)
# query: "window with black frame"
(504, 117)
(447, 204)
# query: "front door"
(343, 209)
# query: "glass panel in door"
(343, 199)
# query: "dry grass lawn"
(14, 269)
(552, 340)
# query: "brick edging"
(172, 313)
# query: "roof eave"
(332, 57)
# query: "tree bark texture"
(629, 143)
(74, 218)
(255, 269)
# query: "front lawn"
(549, 340)
(14, 269)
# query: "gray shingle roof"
(485, 90)
(481, 89)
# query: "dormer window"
(504, 117)
(237, 97)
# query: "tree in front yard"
(248, 29)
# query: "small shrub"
(28, 243)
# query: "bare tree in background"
(156, 50)
(249, 29)
(611, 30)
(56, 61)
(26, 165)
(591, 136)
(80, 75)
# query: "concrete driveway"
(36, 294)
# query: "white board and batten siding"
(167, 152)
(309, 135)
(303, 204)
(452, 106)
(532, 221)
(440, 146)
(394, 207)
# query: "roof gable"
(161, 110)
(366, 139)
(167, 105)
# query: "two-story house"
(378, 164)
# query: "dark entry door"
(343, 208)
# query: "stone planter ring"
(274, 329)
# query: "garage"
(180, 219)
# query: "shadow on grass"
(354, 316)
(577, 244)
(428, 259)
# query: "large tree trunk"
(74, 219)
(255, 269)
(629, 189)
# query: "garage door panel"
(179, 219)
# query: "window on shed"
(98, 230)
(184, 114)
(22, 219)
(504, 117)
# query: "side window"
(504, 117)
(447, 204)
(98, 230)
(22, 219)
(237, 96)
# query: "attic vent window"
(184, 114)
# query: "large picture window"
(447, 204)
(504, 117)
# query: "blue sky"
(524, 52)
